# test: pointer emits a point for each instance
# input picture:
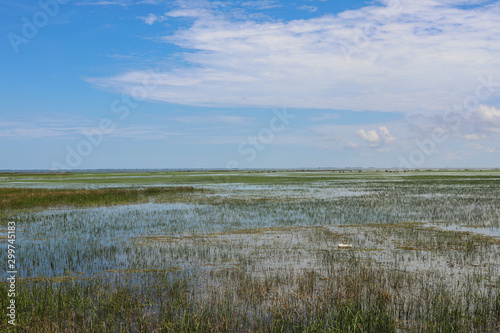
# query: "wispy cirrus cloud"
(18, 130)
(486, 119)
(105, 3)
(300, 63)
(38, 127)
(31, 133)
(151, 18)
(483, 148)
(481, 123)
(308, 8)
(325, 116)
(214, 119)
(118, 2)
(261, 4)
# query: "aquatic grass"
(258, 256)
(355, 297)
(15, 199)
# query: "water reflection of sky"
(93, 240)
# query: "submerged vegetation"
(253, 252)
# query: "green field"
(254, 251)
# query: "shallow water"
(94, 240)
(491, 232)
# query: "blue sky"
(249, 84)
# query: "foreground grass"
(354, 298)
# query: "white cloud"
(143, 133)
(480, 147)
(471, 137)
(483, 123)
(38, 131)
(151, 19)
(214, 119)
(352, 145)
(190, 12)
(385, 135)
(377, 139)
(492, 149)
(31, 133)
(310, 9)
(370, 136)
(104, 3)
(151, 2)
(381, 136)
(424, 57)
(453, 156)
(261, 4)
(325, 116)
(119, 2)
(488, 118)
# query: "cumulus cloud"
(370, 136)
(420, 56)
(377, 139)
(385, 135)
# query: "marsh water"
(441, 225)
(89, 241)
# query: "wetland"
(256, 251)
